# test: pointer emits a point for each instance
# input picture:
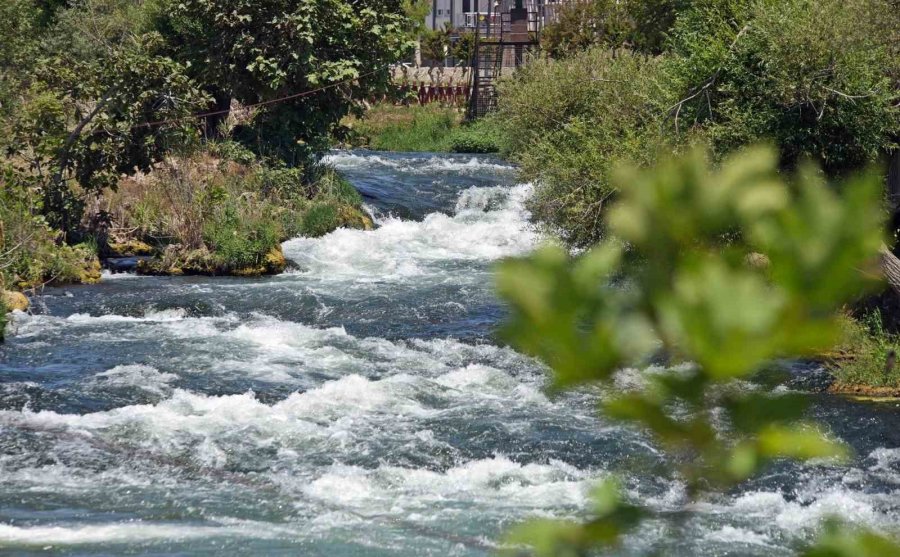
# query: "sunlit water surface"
(358, 405)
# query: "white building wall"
(449, 11)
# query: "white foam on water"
(731, 535)
(300, 414)
(138, 376)
(345, 160)
(490, 223)
(336, 414)
(498, 482)
(119, 533)
(805, 515)
(486, 381)
(154, 324)
(75, 481)
(150, 316)
(268, 349)
(106, 275)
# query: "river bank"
(220, 211)
(360, 403)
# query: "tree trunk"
(890, 267)
(220, 112)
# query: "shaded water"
(358, 405)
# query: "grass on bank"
(221, 211)
(864, 354)
(432, 127)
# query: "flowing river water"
(360, 405)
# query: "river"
(359, 405)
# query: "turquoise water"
(359, 404)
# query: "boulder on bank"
(354, 217)
(130, 248)
(91, 273)
(15, 301)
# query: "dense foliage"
(99, 88)
(95, 90)
(30, 254)
(255, 52)
(818, 79)
(221, 211)
(566, 121)
(431, 127)
(638, 24)
(815, 77)
(75, 115)
(681, 235)
(861, 357)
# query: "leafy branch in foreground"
(677, 277)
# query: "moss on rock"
(354, 217)
(91, 273)
(130, 248)
(176, 260)
(14, 301)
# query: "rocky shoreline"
(174, 260)
(865, 392)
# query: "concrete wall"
(444, 12)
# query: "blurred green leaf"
(842, 541)
(800, 441)
(676, 278)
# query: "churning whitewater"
(359, 404)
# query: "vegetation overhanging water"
(358, 404)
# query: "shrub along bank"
(220, 211)
(864, 361)
(818, 80)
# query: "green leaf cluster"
(255, 52)
(638, 24)
(727, 268)
(817, 77)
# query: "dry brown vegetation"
(212, 214)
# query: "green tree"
(435, 45)
(640, 25)
(673, 278)
(20, 27)
(464, 48)
(85, 122)
(817, 77)
(257, 52)
(104, 87)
